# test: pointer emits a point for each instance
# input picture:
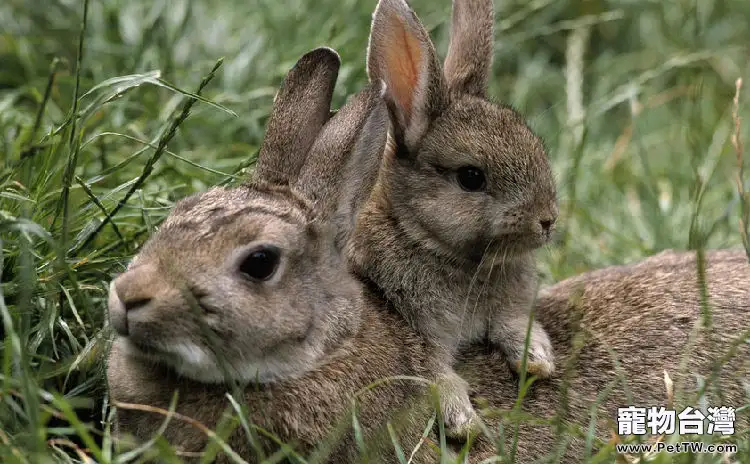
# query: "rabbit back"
(616, 331)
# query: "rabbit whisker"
(474, 277)
(485, 287)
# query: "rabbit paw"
(540, 360)
(461, 420)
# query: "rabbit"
(657, 299)
(250, 286)
(617, 331)
(465, 197)
(637, 320)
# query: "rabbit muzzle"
(538, 224)
(134, 298)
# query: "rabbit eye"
(261, 263)
(471, 179)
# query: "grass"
(102, 129)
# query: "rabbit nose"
(547, 224)
(118, 317)
(131, 291)
(136, 303)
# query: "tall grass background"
(111, 110)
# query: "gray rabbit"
(465, 197)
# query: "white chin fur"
(192, 361)
(196, 363)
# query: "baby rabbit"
(250, 285)
(464, 198)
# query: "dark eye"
(261, 263)
(471, 178)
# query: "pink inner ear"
(403, 58)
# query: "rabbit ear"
(343, 164)
(469, 60)
(401, 54)
(300, 109)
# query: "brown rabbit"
(250, 285)
(616, 332)
(465, 197)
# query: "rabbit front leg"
(460, 418)
(509, 334)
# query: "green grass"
(651, 165)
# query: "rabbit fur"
(249, 286)
(616, 332)
(454, 251)
(641, 314)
